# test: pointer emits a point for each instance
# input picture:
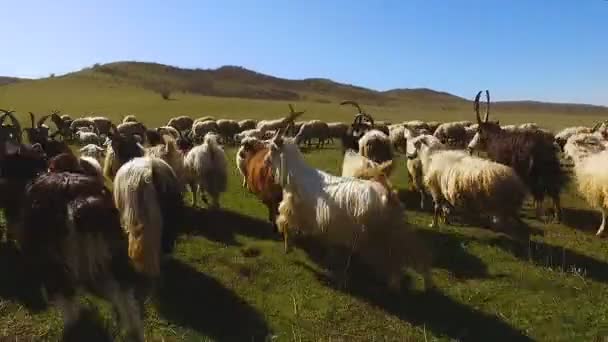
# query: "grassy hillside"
(133, 88)
(8, 80)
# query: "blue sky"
(555, 50)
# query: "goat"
(67, 162)
(361, 214)
(248, 146)
(10, 132)
(206, 170)
(462, 181)
(590, 155)
(149, 199)
(530, 153)
(71, 238)
(39, 132)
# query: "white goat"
(467, 182)
(362, 215)
(148, 197)
(590, 157)
(93, 151)
(206, 170)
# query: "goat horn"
(32, 118)
(43, 120)
(14, 120)
(596, 126)
(352, 103)
(488, 106)
(476, 107)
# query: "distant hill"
(8, 80)
(119, 88)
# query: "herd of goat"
(75, 233)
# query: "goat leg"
(601, 228)
(436, 215)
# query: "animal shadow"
(581, 219)
(89, 327)
(432, 309)
(223, 225)
(18, 285)
(192, 299)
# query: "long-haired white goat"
(362, 215)
(206, 170)
(590, 155)
(462, 181)
(148, 197)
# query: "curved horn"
(32, 118)
(597, 125)
(43, 120)
(476, 107)
(14, 120)
(488, 106)
(352, 103)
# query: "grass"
(229, 279)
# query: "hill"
(119, 88)
(8, 80)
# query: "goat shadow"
(194, 300)
(222, 225)
(584, 220)
(545, 254)
(432, 310)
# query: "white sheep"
(313, 129)
(206, 170)
(376, 146)
(461, 181)
(86, 138)
(249, 133)
(362, 215)
(590, 156)
(168, 130)
(93, 151)
(201, 128)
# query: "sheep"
(206, 170)
(102, 124)
(248, 145)
(129, 118)
(452, 133)
(86, 129)
(93, 151)
(154, 137)
(270, 125)
(247, 124)
(253, 133)
(132, 128)
(148, 197)
(362, 215)
(201, 128)
(337, 130)
(81, 122)
(314, 129)
(432, 126)
(376, 146)
(462, 181)
(531, 154)
(169, 153)
(562, 136)
(203, 119)
(181, 123)
(86, 138)
(227, 129)
(590, 155)
(397, 137)
(169, 130)
(71, 239)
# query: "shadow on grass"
(16, 285)
(223, 225)
(89, 327)
(582, 219)
(432, 310)
(194, 300)
(556, 257)
(411, 199)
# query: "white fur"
(254, 133)
(137, 200)
(342, 210)
(93, 151)
(354, 162)
(370, 136)
(86, 138)
(466, 181)
(590, 157)
(206, 169)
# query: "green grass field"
(229, 279)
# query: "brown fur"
(260, 181)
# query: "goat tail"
(136, 198)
